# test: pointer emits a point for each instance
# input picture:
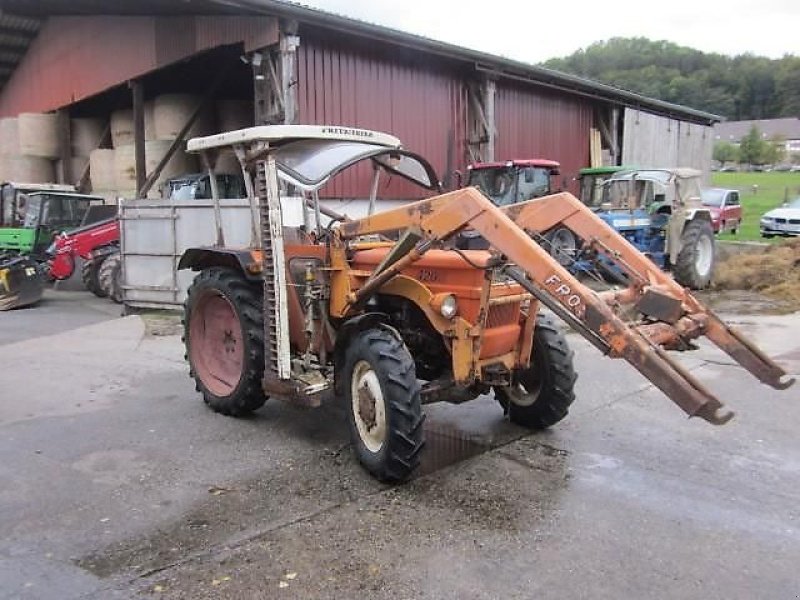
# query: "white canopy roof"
(279, 134)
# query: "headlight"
(51, 249)
(446, 304)
(766, 220)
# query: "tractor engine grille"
(503, 314)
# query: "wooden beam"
(137, 89)
(288, 53)
(489, 93)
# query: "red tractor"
(514, 181)
(98, 245)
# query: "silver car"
(784, 220)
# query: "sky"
(536, 31)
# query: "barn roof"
(20, 21)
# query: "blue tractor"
(658, 211)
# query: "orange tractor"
(386, 314)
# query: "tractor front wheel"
(383, 404)
(695, 263)
(540, 396)
(224, 339)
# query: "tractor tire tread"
(558, 390)
(108, 277)
(90, 269)
(684, 269)
(394, 366)
(246, 298)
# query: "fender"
(242, 261)
(697, 213)
(353, 326)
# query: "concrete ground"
(116, 481)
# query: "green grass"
(771, 193)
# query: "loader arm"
(673, 315)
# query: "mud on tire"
(223, 333)
(541, 395)
(382, 397)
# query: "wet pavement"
(116, 481)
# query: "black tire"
(378, 357)
(541, 395)
(245, 394)
(690, 268)
(562, 245)
(109, 277)
(90, 270)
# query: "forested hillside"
(739, 87)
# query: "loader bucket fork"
(672, 316)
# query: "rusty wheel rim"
(368, 406)
(216, 343)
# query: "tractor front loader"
(388, 314)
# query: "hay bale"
(30, 169)
(9, 136)
(172, 111)
(125, 164)
(101, 169)
(38, 135)
(85, 135)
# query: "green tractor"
(591, 180)
(31, 215)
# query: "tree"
(725, 152)
(752, 148)
(774, 150)
(738, 87)
(787, 86)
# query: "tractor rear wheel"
(224, 339)
(695, 264)
(109, 277)
(562, 245)
(540, 396)
(383, 404)
(90, 270)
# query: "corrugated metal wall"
(653, 141)
(77, 57)
(537, 123)
(423, 104)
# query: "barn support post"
(481, 122)
(137, 91)
(608, 131)
(275, 79)
(616, 152)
